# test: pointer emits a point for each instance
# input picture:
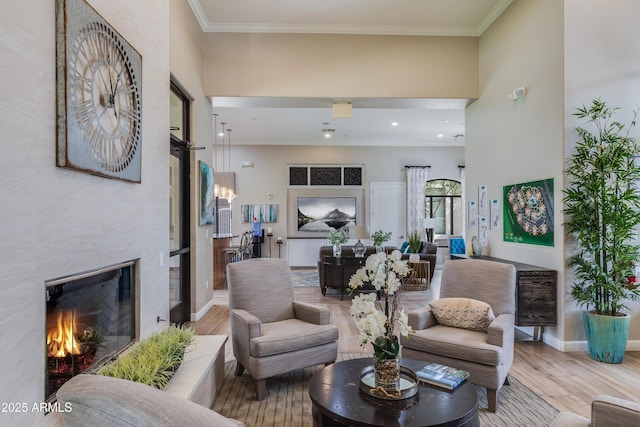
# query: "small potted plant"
(338, 238)
(414, 245)
(379, 238)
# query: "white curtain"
(416, 183)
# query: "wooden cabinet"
(536, 293)
(304, 252)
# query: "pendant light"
(216, 186)
(223, 185)
(231, 194)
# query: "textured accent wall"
(56, 221)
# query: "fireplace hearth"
(91, 317)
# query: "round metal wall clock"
(98, 94)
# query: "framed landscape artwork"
(528, 212)
(326, 213)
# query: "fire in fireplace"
(91, 317)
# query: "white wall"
(270, 175)
(510, 142)
(55, 221)
(602, 60)
(567, 53)
(341, 65)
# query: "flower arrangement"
(338, 237)
(376, 324)
(379, 237)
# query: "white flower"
(375, 318)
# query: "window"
(444, 202)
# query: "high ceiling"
(296, 121)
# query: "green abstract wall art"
(528, 212)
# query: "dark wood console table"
(536, 294)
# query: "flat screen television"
(326, 213)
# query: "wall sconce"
(246, 164)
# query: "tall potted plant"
(602, 202)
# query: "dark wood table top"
(335, 392)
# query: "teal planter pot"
(606, 336)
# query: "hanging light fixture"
(223, 187)
(216, 186)
(231, 194)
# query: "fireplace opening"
(91, 317)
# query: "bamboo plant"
(602, 202)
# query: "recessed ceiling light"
(440, 135)
(394, 123)
(328, 132)
(446, 120)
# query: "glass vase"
(337, 250)
(379, 248)
(387, 375)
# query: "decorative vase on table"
(337, 249)
(376, 320)
(379, 238)
(337, 238)
(476, 246)
(386, 364)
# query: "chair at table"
(271, 332)
(471, 326)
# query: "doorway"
(179, 211)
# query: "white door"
(388, 209)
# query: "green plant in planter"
(380, 237)
(338, 237)
(154, 360)
(415, 242)
(602, 203)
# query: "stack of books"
(442, 376)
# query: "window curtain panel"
(416, 183)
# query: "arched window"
(444, 202)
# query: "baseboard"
(633, 345)
(197, 316)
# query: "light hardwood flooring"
(568, 381)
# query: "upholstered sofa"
(606, 411)
(329, 276)
(96, 400)
(427, 252)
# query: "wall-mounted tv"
(326, 213)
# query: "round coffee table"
(338, 401)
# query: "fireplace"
(91, 317)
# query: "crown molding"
(400, 30)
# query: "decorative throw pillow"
(464, 313)
(405, 248)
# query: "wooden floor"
(568, 381)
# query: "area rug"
(305, 278)
(287, 401)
